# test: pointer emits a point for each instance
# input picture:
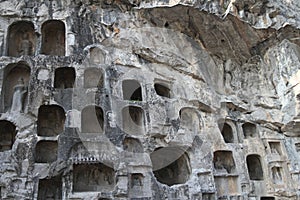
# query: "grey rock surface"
(154, 99)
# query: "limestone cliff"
(154, 99)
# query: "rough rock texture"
(155, 99)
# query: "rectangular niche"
(50, 188)
(93, 178)
(208, 196)
(249, 130)
(275, 148)
(277, 175)
(64, 77)
(224, 162)
(133, 120)
(136, 180)
(227, 185)
(267, 198)
(51, 120)
(132, 90)
(46, 151)
(254, 166)
(7, 135)
(136, 185)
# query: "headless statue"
(18, 96)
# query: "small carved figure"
(276, 175)
(18, 96)
(274, 150)
(25, 46)
(219, 164)
(137, 181)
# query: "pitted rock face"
(177, 99)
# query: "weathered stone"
(130, 99)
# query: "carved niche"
(14, 89)
(21, 39)
(53, 38)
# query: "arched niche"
(15, 85)
(227, 129)
(97, 56)
(50, 188)
(93, 78)
(21, 39)
(53, 38)
(189, 119)
(171, 165)
(162, 90)
(93, 177)
(249, 130)
(132, 90)
(224, 162)
(133, 120)
(7, 135)
(46, 151)
(51, 120)
(64, 77)
(133, 145)
(255, 170)
(92, 119)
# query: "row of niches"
(47, 151)
(51, 120)
(98, 177)
(231, 132)
(224, 165)
(90, 174)
(65, 77)
(17, 78)
(23, 40)
(88, 178)
(177, 172)
(95, 178)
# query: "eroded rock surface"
(130, 99)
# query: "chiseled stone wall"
(123, 99)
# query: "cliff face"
(129, 99)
